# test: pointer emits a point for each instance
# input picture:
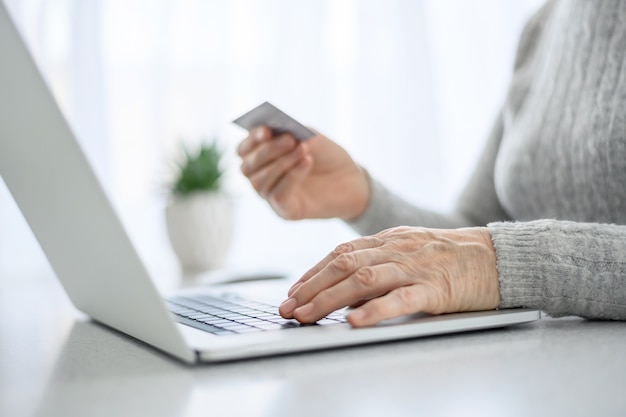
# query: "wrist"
(359, 200)
(491, 273)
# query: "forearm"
(563, 268)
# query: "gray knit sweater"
(551, 183)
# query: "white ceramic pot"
(200, 228)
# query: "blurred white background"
(409, 87)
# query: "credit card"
(267, 114)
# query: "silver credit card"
(267, 114)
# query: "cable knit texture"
(551, 183)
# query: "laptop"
(80, 233)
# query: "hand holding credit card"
(268, 115)
(302, 175)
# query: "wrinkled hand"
(400, 271)
(312, 179)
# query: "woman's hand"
(312, 179)
(400, 271)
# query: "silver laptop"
(67, 209)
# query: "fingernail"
(305, 310)
(357, 315)
(258, 134)
(288, 306)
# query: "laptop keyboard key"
(233, 314)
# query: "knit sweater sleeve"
(561, 267)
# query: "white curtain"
(408, 87)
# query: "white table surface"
(55, 362)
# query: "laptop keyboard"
(232, 314)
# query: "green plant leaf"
(200, 170)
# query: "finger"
(266, 153)
(399, 302)
(255, 136)
(350, 272)
(265, 179)
(339, 269)
(283, 191)
(365, 242)
(359, 303)
(365, 283)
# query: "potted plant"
(199, 214)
